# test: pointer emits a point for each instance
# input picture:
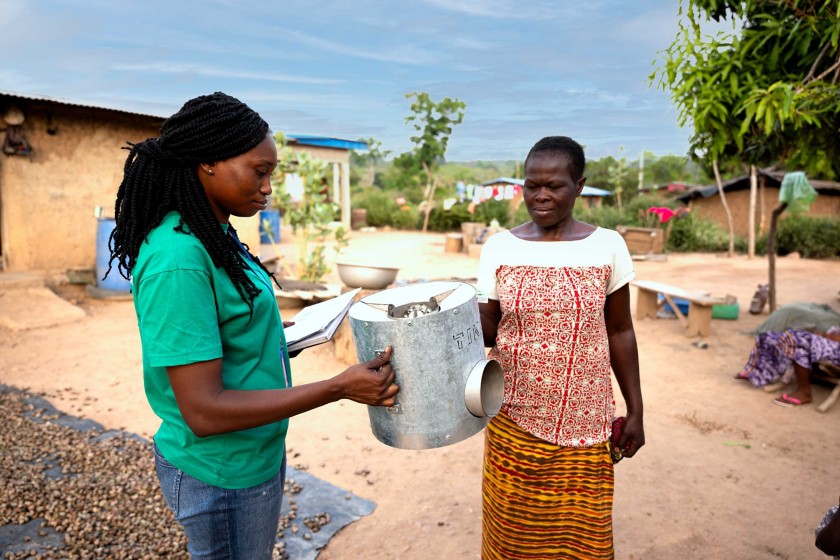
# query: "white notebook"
(316, 324)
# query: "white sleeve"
(622, 269)
(487, 288)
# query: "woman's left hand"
(633, 435)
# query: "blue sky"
(525, 69)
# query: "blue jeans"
(221, 523)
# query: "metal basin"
(366, 276)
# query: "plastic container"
(681, 303)
(114, 281)
(728, 310)
(270, 226)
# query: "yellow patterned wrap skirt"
(544, 501)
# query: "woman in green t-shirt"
(215, 363)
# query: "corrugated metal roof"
(587, 190)
(304, 139)
(773, 179)
(327, 142)
(62, 101)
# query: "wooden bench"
(699, 320)
(830, 373)
(825, 371)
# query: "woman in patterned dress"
(785, 356)
(557, 318)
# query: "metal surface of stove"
(449, 390)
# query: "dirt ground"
(725, 473)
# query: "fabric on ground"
(312, 496)
(802, 315)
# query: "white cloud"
(398, 52)
(215, 72)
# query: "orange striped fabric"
(542, 501)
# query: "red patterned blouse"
(552, 340)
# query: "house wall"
(739, 204)
(331, 155)
(48, 199)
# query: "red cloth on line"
(664, 213)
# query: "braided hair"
(160, 176)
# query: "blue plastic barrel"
(270, 223)
(115, 281)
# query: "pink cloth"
(664, 212)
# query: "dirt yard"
(725, 473)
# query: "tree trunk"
(771, 254)
(641, 170)
(725, 208)
(751, 218)
(762, 187)
(430, 195)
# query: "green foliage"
(742, 246)
(764, 93)
(492, 209)
(380, 206)
(367, 160)
(605, 216)
(449, 220)
(407, 217)
(404, 176)
(637, 210)
(520, 216)
(433, 124)
(690, 233)
(312, 216)
(811, 237)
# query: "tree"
(312, 216)
(370, 157)
(433, 123)
(766, 95)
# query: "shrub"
(604, 216)
(690, 233)
(636, 210)
(449, 220)
(379, 205)
(813, 237)
(493, 209)
(520, 216)
(406, 217)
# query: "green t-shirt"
(188, 310)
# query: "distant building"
(507, 188)
(72, 162)
(48, 196)
(336, 152)
(704, 201)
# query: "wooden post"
(345, 195)
(762, 187)
(725, 208)
(751, 217)
(771, 253)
